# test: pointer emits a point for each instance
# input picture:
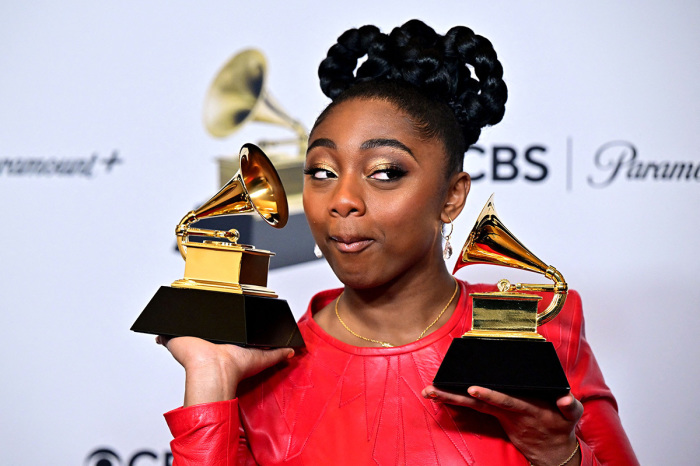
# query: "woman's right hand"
(213, 371)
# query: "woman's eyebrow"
(368, 144)
(380, 142)
(321, 142)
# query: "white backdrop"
(82, 253)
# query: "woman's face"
(374, 192)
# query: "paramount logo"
(86, 167)
(618, 159)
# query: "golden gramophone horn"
(490, 242)
(238, 95)
(255, 188)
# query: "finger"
(277, 354)
(284, 353)
(570, 407)
(500, 400)
(454, 399)
(163, 340)
(269, 358)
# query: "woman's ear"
(456, 196)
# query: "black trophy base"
(220, 318)
(518, 367)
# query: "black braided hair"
(451, 86)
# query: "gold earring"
(447, 251)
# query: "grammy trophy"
(223, 296)
(237, 96)
(503, 350)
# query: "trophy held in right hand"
(223, 296)
(503, 350)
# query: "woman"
(382, 177)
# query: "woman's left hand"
(543, 431)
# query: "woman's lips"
(351, 244)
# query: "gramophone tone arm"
(232, 235)
(531, 287)
(301, 141)
(183, 230)
(559, 288)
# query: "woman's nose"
(347, 197)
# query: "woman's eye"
(388, 174)
(318, 173)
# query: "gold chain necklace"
(387, 344)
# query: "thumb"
(570, 407)
(278, 355)
(263, 359)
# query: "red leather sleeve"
(600, 432)
(208, 433)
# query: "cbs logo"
(507, 163)
(109, 457)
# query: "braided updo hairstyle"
(450, 86)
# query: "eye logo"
(107, 457)
(103, 457)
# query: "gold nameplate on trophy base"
(226, 267)
(504, 315)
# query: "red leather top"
(339, 404)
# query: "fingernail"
(474, 393)
(291, 354)
(432, 395)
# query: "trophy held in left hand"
(223, 296)
(503, 350)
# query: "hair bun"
(336, 71)
(439, 66)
